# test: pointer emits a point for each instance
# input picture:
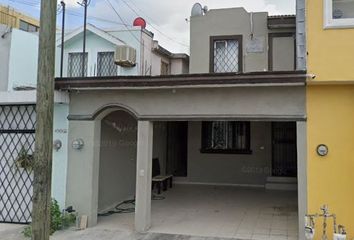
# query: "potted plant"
(24, 160)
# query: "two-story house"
(231, 133)
(18, 77)
(330, 108)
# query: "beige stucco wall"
(226, 22)
(283, 46)
(243, 169)
(117, 159)
(233, 102)
(232, 21)
(117, 174)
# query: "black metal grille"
(226, 56)
(105, 64)
(75, 64)
(17, 135)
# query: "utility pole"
(62, 3)
(85, 4)
(44, 128)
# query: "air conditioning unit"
(125, 56)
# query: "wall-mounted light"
(78, 144)
(57, 145)
(322, 150)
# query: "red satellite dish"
(139, 22)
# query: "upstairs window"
(164, 68)
(25, 26)
(106, 65)
(226, 137)
(226, 54)
(339, 13)
(75, 64)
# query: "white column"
(302, 175)
(143, 176)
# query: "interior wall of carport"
(234, 169)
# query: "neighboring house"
(239, 119)
(148, 58)
(18, 76)
(14, 19)
(330, 107)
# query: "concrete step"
(281, 186)
(281, 180)
(281, 183)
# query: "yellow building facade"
(15, 19)
(330, 110)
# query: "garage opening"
(230, 178)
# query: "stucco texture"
(330, 121)
(330, 51)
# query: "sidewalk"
(13, 232)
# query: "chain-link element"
(17, 141)
(105, 64)
(226, 53)
(75, 64)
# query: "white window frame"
(330, 22)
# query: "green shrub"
(58, 220)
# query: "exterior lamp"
(78, 144)
(57, 145)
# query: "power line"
(122, 20)
(70, 12)
(152, 24)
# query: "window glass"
(343, 9)
(225, 135)
(23, 25)
(226, 56)
(75, 65)
(105, 64)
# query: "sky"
(167, 19)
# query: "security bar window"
(75, 64)
(226, 137)
(339, 13)
(105, 64)
(226, 54)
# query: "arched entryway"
(117, 167)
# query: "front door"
(284, 149)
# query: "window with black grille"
(226, 137)
(164, 68)
(75, 64)
(105, 64)
(226, 54)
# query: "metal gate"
(17, 138)
(284, 162)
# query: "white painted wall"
(242, 169)
(5, 44)
(60, 157)
(23, 59)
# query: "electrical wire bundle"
(127, 206)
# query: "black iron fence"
(17, 140)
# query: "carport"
(253, 97)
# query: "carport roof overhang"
(289, 78)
